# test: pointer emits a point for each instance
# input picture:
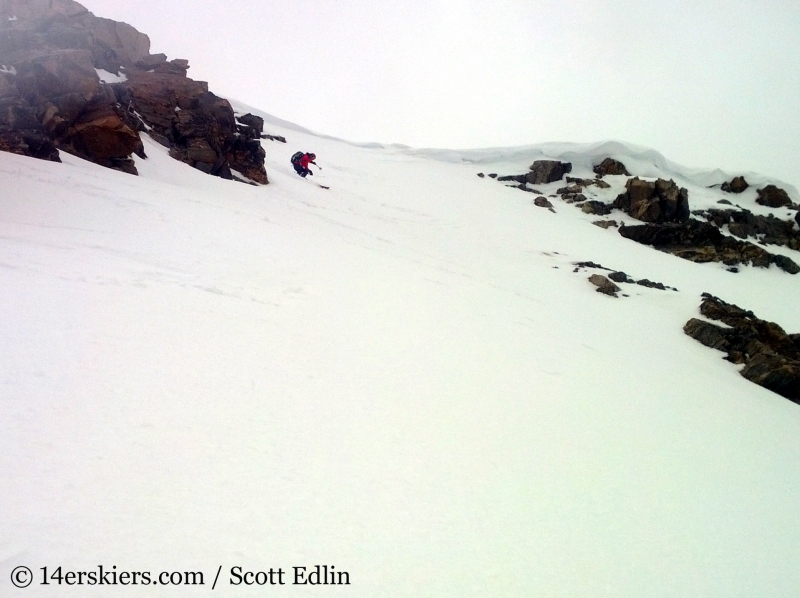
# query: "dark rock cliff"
(52, 97)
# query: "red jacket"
(304, 161)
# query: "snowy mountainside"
(401, 377)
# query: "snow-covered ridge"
(641, 161)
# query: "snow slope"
(401, 377)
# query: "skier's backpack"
(296, 157)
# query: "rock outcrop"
(773, 197)
(703, 242)
(736, 185)
(768, 230)
(604, 285)
(610, 166)
(547, 171)
(52, 97)
(20, 130)
(771, 357)
(654, 201)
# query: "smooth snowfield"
(400, 377)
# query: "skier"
(301, 160)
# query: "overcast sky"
(708, 83)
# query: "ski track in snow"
(400, 376)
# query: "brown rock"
(604, 285)
(596, 207)
(199, 150)
(605, 223)
(56, 75)
(20, 131)
(736, 185)
(252, 126)
(610, 166)
(773, 197)
(57, 100)
(115, 44)
(547, 171)
(654, 201)
(771, 357)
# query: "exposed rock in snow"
(604, 285)
(654, 201)
(703, 242)
(736, 185)
(770, 356)
(547, 171)
(610, 166)
(768, 229)
(773, 197)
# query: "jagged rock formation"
(654, 201)
(610, 166)
(52, 97)
(703, 242)
(771, 357)
(736, 185)
(768, 230)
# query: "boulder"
(620, 277)
(542, 202)
(654, 201)
(610, 166)
(786, 264)
(606, 224)
(547, 171)
(604, 285)
(736, 185)
(773, 197)
(103, 137)
(252, 126)
(771, 357)
(596, 207)
(570, 190)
